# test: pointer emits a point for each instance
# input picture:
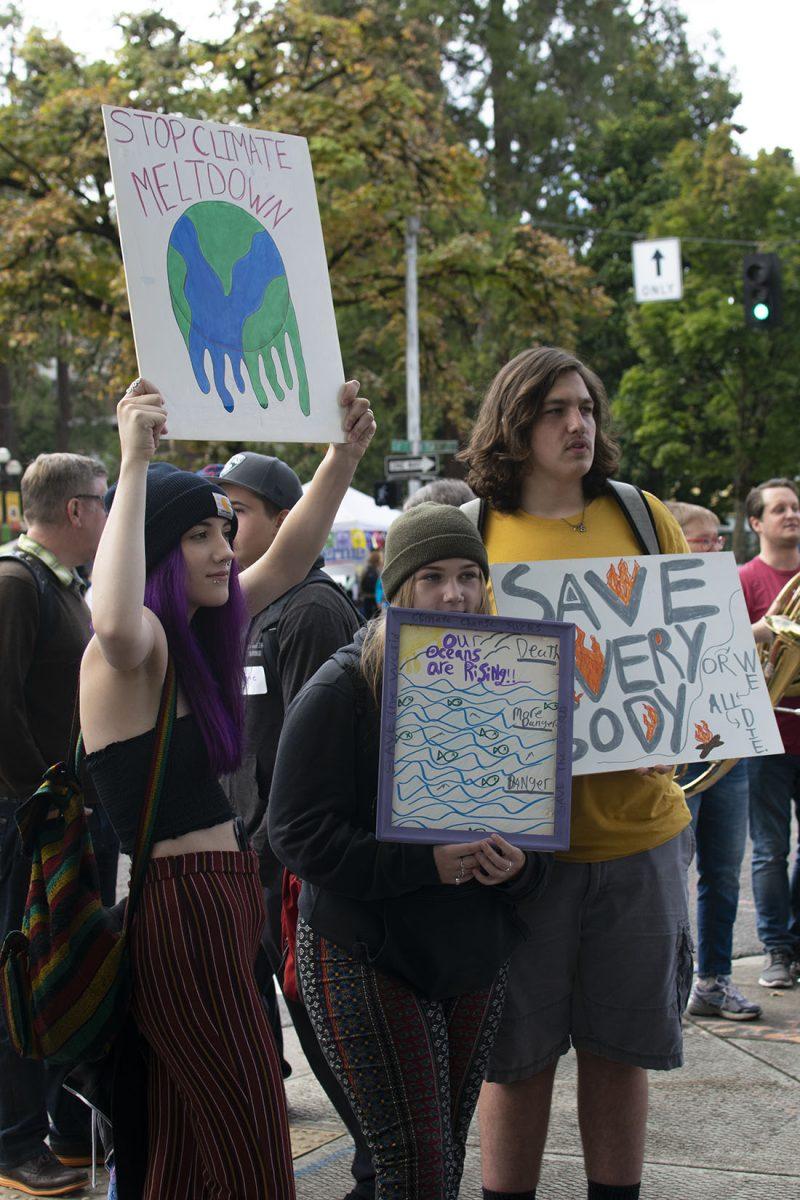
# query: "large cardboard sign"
(227, 277)
(666, 670)
(476, 729)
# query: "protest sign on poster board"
(476, 729)
(227, 277)
(666, 669)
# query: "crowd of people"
(423, 981)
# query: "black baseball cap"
(268, 477)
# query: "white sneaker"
(721, 998)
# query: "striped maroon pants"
(218, 1127)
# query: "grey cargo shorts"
(607, 966)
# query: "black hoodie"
(381, 900)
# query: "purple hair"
(208, 653)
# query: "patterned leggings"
(217, 1110)
(411, 1067)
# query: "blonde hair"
(373, 646)
(685, 514)
(53, 479)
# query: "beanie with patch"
(175, 501)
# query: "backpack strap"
(476, 511)
(269, 633)
(630, 498)
(43, 578)
(155, 781)
(638, 514)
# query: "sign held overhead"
(657, 270)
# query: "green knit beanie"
(425, 534)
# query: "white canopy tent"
(359, 527)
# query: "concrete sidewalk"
(725, 1127)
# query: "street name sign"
(403, 446)
(410, 466)
(657, 270)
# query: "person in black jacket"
(286, 643)
(401, 948)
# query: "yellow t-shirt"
(618, 812)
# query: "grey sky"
(759, 40)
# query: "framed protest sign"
(476, 729)
(227, 277)
(666, 669)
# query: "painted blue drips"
(218, 319)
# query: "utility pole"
(413, 423)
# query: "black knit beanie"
(175, 501)
(426, 533)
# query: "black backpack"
(43, 577)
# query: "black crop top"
(191, 796)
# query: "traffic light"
(388, 491)
(762, 291)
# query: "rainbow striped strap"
(155, 780)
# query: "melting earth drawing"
(230, 297)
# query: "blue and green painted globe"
(230, 297)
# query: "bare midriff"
(218, 837)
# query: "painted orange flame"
(591, 662)
(621, 580)
(702, 732)
(577, 697)
(650, 721)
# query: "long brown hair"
(372, 647)
(500, 446)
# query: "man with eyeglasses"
(773, 510)
(719, 820)
(44, 629)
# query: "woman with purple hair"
(166, 586)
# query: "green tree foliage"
(708, 404)
(365, 90)
(666, 97)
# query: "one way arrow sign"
(657, 270)
(415, 466)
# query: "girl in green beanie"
(408, 1050)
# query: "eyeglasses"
(87, 496)
(707, 543)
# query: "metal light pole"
(413, 423)
(10, 471)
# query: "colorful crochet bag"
(65, 976)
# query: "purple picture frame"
(462, 625)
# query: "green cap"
(424, 535)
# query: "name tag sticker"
(255, 681)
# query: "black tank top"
(191, 796)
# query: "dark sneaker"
(721, 998)
(777, 972)
(44, 1176)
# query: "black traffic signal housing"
(762, 291)
(388, 491)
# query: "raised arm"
(122, 626)
(304, 532)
